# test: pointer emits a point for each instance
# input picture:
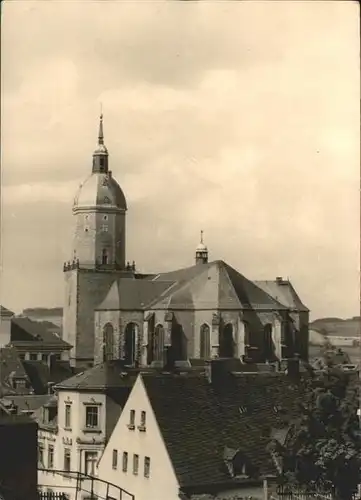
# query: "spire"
(202, 236)
(100, 155)
(101, 133)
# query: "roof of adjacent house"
(107, 375)
(26, 403)
(10, 368)
(284, 292)
(4, 312)
(198, 420)
(40, 374)
(25, 330)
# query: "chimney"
(50, 387)
(218, 370)
(279, 279)
(293, 367)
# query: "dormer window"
(243, 410)
(277, 409)
(235, 462)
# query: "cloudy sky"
(239, 118)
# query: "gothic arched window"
(158, 343)
(131, 343)
(104, 256)
(108, 342)
(205, 342)
(226, 344)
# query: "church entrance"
(226, 344)
(130, 343)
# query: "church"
(208, 310)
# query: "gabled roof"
(5, 313)
(107, 375)
(10, 368)
(198, 420)
(24, 330)
(40, 374)
(215, 285)
(29, 402)
(132, 294)
(284, 292)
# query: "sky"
(238, 118)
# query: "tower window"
(105, 217)
(101, 162)
(86, 217)
(86, 229)
(104, 228)
(104, 256)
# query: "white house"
(75, 426)
(181, 435)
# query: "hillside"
(338, 327)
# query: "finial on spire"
(101, 133)
(202, 236)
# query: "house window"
(146, 466)
(90, 461)
(91, 417)
(67, 459)
(50, 456)
(135, 464)
(58, 357)
(41, 456)
(67, 416)
(143, 418)
(20, 384)
(131, 419)
(125, 461)
(44, 357)
(104, 228)
(33, 356)
(22, 357)
(115, 459)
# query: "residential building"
(207, 310)
(184, 434)
(75, 424)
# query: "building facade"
(205, 311)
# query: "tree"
(322, 453)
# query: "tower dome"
(100, 188)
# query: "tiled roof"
(198, 420)
(4, 312)
(40, 374)
(24, 330)
(108, 375)
(215, 285)
(27, 402)
(283, 292)
(10, 368)
(130, 294)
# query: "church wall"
(93, 287)
(70, 309)
(84, 238)
(186, 320)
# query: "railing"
(51, 496)
(74, 483)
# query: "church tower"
(201, 252)
(99, 211)
(98, 253)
